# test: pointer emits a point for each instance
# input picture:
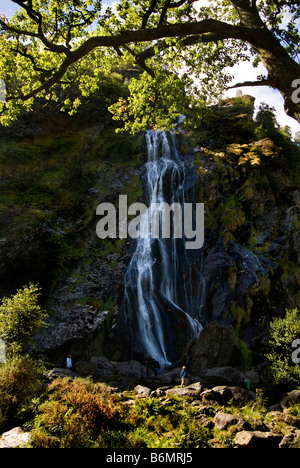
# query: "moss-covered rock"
(251, 195)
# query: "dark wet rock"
(221, 376)
(224, 393)
(249, 269)
(215, 347)
(290, 398)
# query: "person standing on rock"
(69, 362)
(184, 377)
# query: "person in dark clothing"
(184, 376)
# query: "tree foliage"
(20, 317)
(284, 332)
(50, 46)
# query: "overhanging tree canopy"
(51, 45)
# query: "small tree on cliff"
(20, 317)
(49, 46)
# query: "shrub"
(20, 386)
(20, 317)
(74, 414)
(283, 331)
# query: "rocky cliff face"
(250, 186)
(55, 173)
(249, 183)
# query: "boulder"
(131, 369)
(142, 391)
(223, 420)
(60, 372)
(257, 374)
(290, 398)
(257, 439)
(215, 347)
(291, 440)
(169, 377)
(86, 369)
(15, 438)
(160, 391)
(104, 367)
(291, 420)
(278, 420)
(221, 376)
(192, 391)
(107, 368)
(163, 379)
(223, 394)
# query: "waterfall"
(164, 288)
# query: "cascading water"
(164, 288)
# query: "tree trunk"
(283, 70)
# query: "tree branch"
(187, 42)
(248, 13)
(266, 82)
(164, 12)
(56, 77)
(168, 5)
(148, 13)
(21, 32)
(196, 32)
(36, 68)
(38, 19)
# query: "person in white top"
(69, 362)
